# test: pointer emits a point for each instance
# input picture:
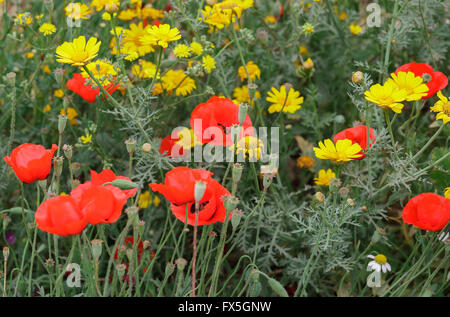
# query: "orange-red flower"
(61, 215)
(357, 135)
(78, 85)
(31, 162)
(178, 188)
(102, 203)
(219, 113)
(427, 211)
(434, 80)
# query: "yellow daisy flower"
(241, 94)
(324, 178)
(442, 106)
(355, 29)
(253, 71)
(47, 29)
(47, 108)
(196, 48)
(302, 50)
(132, 41)
(71, 114)
(447, 193)
(305, 161)
(282, 101)
(270, 19)
(387, 96)
(145, 199)
(161, 35)
(249, 145)
(78, 52)
(144, 69)
(77, 11)
(343, 151)
(187, 139)
(182, 51)
(59, 93)
(86, 139)
(178, 80)
(414, 85)
(109, 5)
(23, 18)
(208, 63)
(103, 71)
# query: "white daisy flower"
(379, 263)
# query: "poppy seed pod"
(31, 162)
(199, 190)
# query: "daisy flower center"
(380, 259)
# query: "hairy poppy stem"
(194, 257)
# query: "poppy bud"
(169, 269)
(277, 287)
(96, 248)
(129, 254)
(236, 219)
(357, 77)
(146, 147)
(199, 190)
(62, 120)
(131, 145)
(243, 109)
(132, 214)
(237, 172)
(5, 253)
(122, 184)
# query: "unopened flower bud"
(243, 109)
(308, 64)
(236, 218)
(132, 213)
(131, 145)
(5, 253)
(319, 197)
(363, 208)
(235, 132)
(146, 147)
(357, 77)
(62, 120)
(350, 202)
(344, 191)
(307, 29)
(129, 254)
(146, 244)
(169, 269)
(96, 248)
(199, 190)
(335, 183)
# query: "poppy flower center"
(426, 77)
(200, 207)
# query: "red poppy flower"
(61, 215)
(438, 80)
(78, 85)
(357, 135)
(170, 148)
(219, 113)
(31, 162)
(102, 204)
(178, 188)
(106, 176)
(427, 211)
